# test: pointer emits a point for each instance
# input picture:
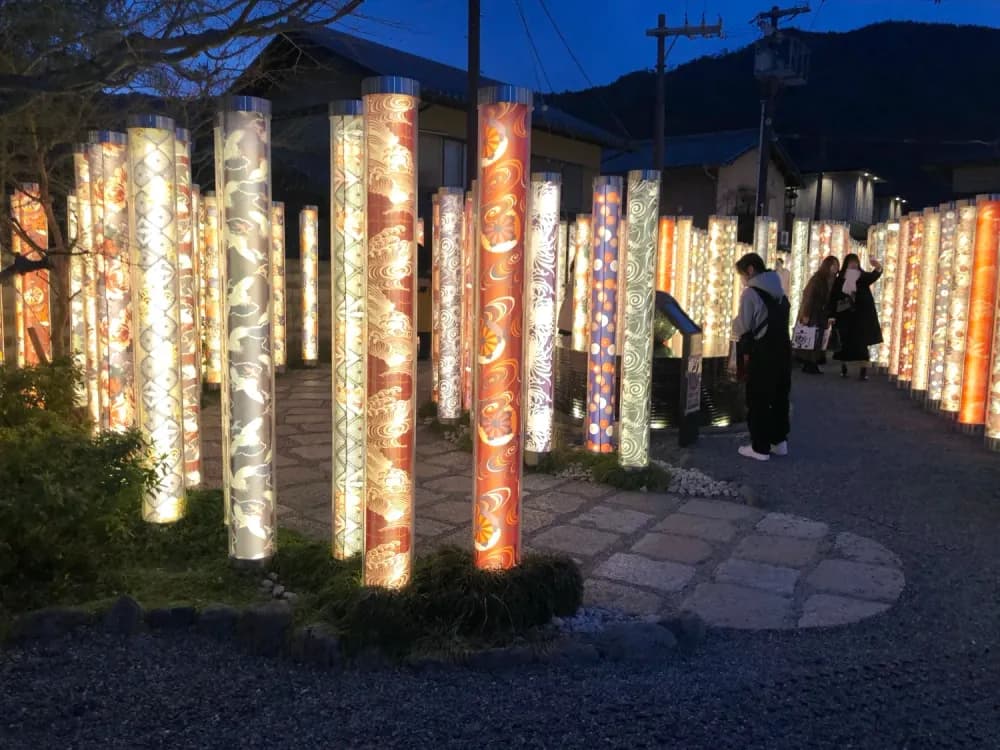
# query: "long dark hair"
(847, 263)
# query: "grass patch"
(604, 468)
(458, 433)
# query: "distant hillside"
(880, 84)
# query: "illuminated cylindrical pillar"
(765, 239)
(581, 284)
(719, 287)
(840, 240)
(196, 232)
(926, 290)
(98, 267)
(390, 111)
(637, 322)
(887, 313)
(279, 334)
(77, 324)
(911, 300)
(436, 294)
(902, 269)
(982, 313)
(347, 233)
(451, 207)
(942, 303)
(85, 311)
(601, 380)
(504, 162)
(799, 264)
(309, 256)
(156, 313)
(190, 371)
(562, 264)
(665, 253)
(958, 312)
(542, 271)
(213, 291)
(698, 278)
(30, 237)
(248, 386)
(683, 239)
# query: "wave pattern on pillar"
(86, 308)
(450, 206)
(637, 344)
(542, 264)
(504, 161)
(309, 254)
(248, 388)
(602, 354)
(279, 350)
(941, 302)
(214, 293)
(347, 232)
(390, 109)
(156, 308)
(958, 309)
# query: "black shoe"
(843, 371)
(864, 374)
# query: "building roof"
(698, 150)
(440, 83)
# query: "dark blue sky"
(610, 43)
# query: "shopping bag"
(804, 337)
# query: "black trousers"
(769, 384)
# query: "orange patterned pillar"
(390, 111)
(665, 254)
(982, 311)
(911, 299)
(505, 162)
(32, 298)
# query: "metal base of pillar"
(533, 458)
(902, 385)
(933, 404)
(250, 566)
(993, 444)
(213, 387)
(973, 430)
(310, 363)
(919, 396)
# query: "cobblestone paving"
(643, 553)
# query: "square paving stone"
(308, 527)
(585, 489)
(292, 476)
(622, 520)
(757, 575)
(860, 580)
(538, 482)
(432, 447)
(449, 511)
(863, 549)
(283, 461)
(648, 502)
(683, 549)
(461, 537)
(532, 520)
(574, 540)
(729, 606)
(720, 509)
(313, 415)
(712, 529)
(782, 524)
(827, 610)
(424, 526)
(661, 575)
(597, 593)
(452, 484)
(307, 498)
(312, 438)
(778, 550)
(555, 502)
(314, 452)
(427, 470)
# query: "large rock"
(316, 644)
(125, 617)
(218, 621)
(264, 628)
(636, 641)
(48, 624)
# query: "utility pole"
(472, 94)
(775, 66)
(661, 32)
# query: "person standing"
(814, 312)
(761, 328)
(853, 306)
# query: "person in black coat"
(852, 305)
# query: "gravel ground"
(926, 675)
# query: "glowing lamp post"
(451, 206)
(32, 314)
(248, 392)
(504, 162)
(347, 233)
(279, 335)
(542, 271)
(601, 381)
(156, 308)
(927, 289)
(390, 122)
(982, 313)
(958, 312)
(309, 254)
(638, 308)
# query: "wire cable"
(539, 65)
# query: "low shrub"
(605, 469)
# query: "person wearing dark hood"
(853, 306)
(761, 327)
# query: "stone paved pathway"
(643, 553)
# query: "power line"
(534, 49)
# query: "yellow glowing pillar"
(347, 257)
(77, 323)
(98, 278)
(190, 371)
(719, 287)
(765, 239)
(637, 322)
(436, 293)
(958, 309)
(911, 299)
(390, 121)
(887, 312)
(30, 237)
(156, 308)
(942, 303)
(581, 284)
(248, 386)
(214, 292)
(927, 291)
(85, 309)
(698, 279)
(902, 267)
(309, 257)
(542, 271)
(683, 237)
(799, 264)
(196, 253)
(451, 206)
(665, 238)
(470, 243)
(562, 264)
(279, 341)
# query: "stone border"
(267, 630)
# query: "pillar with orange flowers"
(30, 237)
(665, 253)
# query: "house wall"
(846, 196)
(689, 191)
(740, 178)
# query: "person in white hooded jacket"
(761, 327)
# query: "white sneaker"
(747, 451)
(781, 449)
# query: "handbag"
(844, 304)
(804, 337)
(832, 341)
